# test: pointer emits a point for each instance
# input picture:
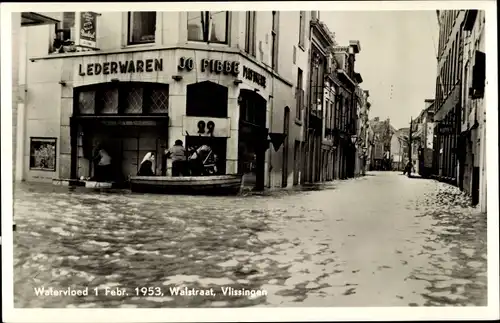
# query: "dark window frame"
(129, 29)
(302, 29)
(122, 88)
(250, 35)
(193, 108)
(275, 40)
(31, 167)
(206, 24)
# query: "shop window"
(43, 154)
(252, 108)
(86, 102)
(141, 27)
(109, 101)
(134, 100)
(206, 99)
(208, 26)
(159, 100)
(126, 98)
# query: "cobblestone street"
(379, 240)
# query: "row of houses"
(449, 135)
(460, 110)
(272, 93)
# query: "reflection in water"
(412, 243)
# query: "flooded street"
(379, 240)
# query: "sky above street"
(397, 59)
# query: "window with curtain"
(141, 27)
(302, 28)
(274, 35)
(208, 26)
(250, 32)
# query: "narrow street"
(379, 240)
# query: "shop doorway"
(126, 145)
(218, 146)
(296, 162)
(127, 119)
(252, 138)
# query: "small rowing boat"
(202, 185)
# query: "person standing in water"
(178, 155)
(147, 168)
(103, 168)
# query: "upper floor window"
(274, 35)
(208, 26)
(141, 27)
(302, 28)
(300, 94)
(250, 33)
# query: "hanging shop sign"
(88, 29)
(206, 127)
(253, 76)
(277, 139)
(119, 67)
(445, 129)
(211, 65)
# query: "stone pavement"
(379, 240)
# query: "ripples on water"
(318, 248)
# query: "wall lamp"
(237, 82)
(177, 77)
(63, 83)
(256, 90)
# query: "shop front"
(129, 104)
(126, 120)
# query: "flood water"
(380, 240)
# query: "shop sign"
(206, 126)
(445, 129)
(212, 65)
(129, 123)
(253, 76)
(113, 67)
(88, 29)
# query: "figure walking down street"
(147, 168)
(408, 169)
(103, 169)
(178, 155)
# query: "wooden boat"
(203, 185)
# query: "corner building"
(137, 81)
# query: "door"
(286, 126)
(296, 162)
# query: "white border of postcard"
(250, 314)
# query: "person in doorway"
(178, 155)
(103, 168)
(146, 168)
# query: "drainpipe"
(21, 109)
(271, 112)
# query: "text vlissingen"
(137, 66)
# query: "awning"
(36, 19)
(451, 102)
